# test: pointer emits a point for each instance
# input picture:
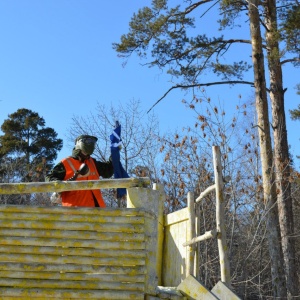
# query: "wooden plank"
(72, 234)
(72, 218)
(73, 297)
(176, 217)
(63, 251)
(70, 294)
(82, 260)
(72, 243)
(73, 276)
(44, 224)
(76, 284)
(47, 267)
(194, 290)
(60, 186)
(69, 211)
(223, 292)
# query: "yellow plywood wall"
(174, 253)
(72, 253)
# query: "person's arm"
(105, 169)
(57, 173)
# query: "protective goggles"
(88, 140)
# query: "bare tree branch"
(180, 86)
(295, 59)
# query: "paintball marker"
(83, 170)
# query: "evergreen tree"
(27, 144)
(289, 13)
(295, 113)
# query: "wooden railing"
(60, 186)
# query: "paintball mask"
(86, 143)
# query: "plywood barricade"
(179, 260)
(82, 253)
(72, 253)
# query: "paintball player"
(64, 170)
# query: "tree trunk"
(281, 151)
(269, 189)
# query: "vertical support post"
(160, 232)
(197, 250)
(152, 201)
(220, 217)
(191, 233)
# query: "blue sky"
(56, 58)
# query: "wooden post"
(191, 233)
(160, 233)
(220, 217)
(152, 201)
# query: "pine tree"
(28, 145)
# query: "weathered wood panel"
(194, 290)
(60, 186)
(174, 253)
(223, 292)
(72, 253)
(42, 294)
